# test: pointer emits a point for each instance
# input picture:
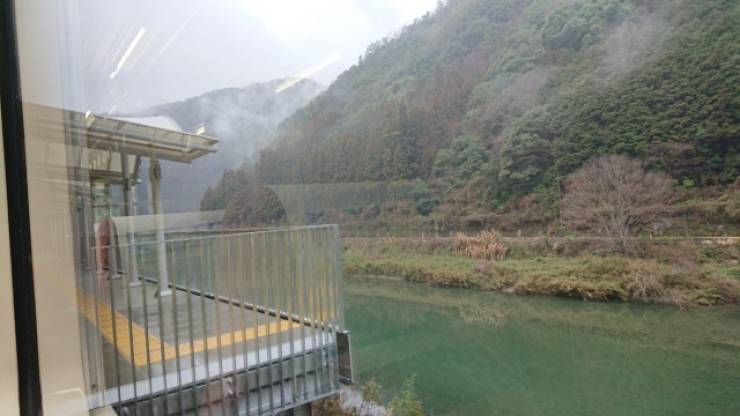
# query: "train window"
(370, 207)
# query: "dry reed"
(487, 246)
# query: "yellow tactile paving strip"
(158, 350)
(237, 336)
(121, 337)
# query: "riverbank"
(676, 274)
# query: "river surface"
(483, 353)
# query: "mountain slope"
(527, 90)
(243, 119)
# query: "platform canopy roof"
(150, 137)
(155, 138)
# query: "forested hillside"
(242, 119)
(491, 100)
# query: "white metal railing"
(250, 325)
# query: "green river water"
(483, 353)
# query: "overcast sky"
(138, 53)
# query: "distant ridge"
(243, 119)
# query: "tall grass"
(680, 276)
(486, 245)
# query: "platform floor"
(147, 345)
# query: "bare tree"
(616, 197)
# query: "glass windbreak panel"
(148, 303)
(516, 207)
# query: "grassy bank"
(679, 274)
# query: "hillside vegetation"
(488, 101)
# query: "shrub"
(406, 402)
(331, 407)
(371, 391)
(646, 287)
(424, 199)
